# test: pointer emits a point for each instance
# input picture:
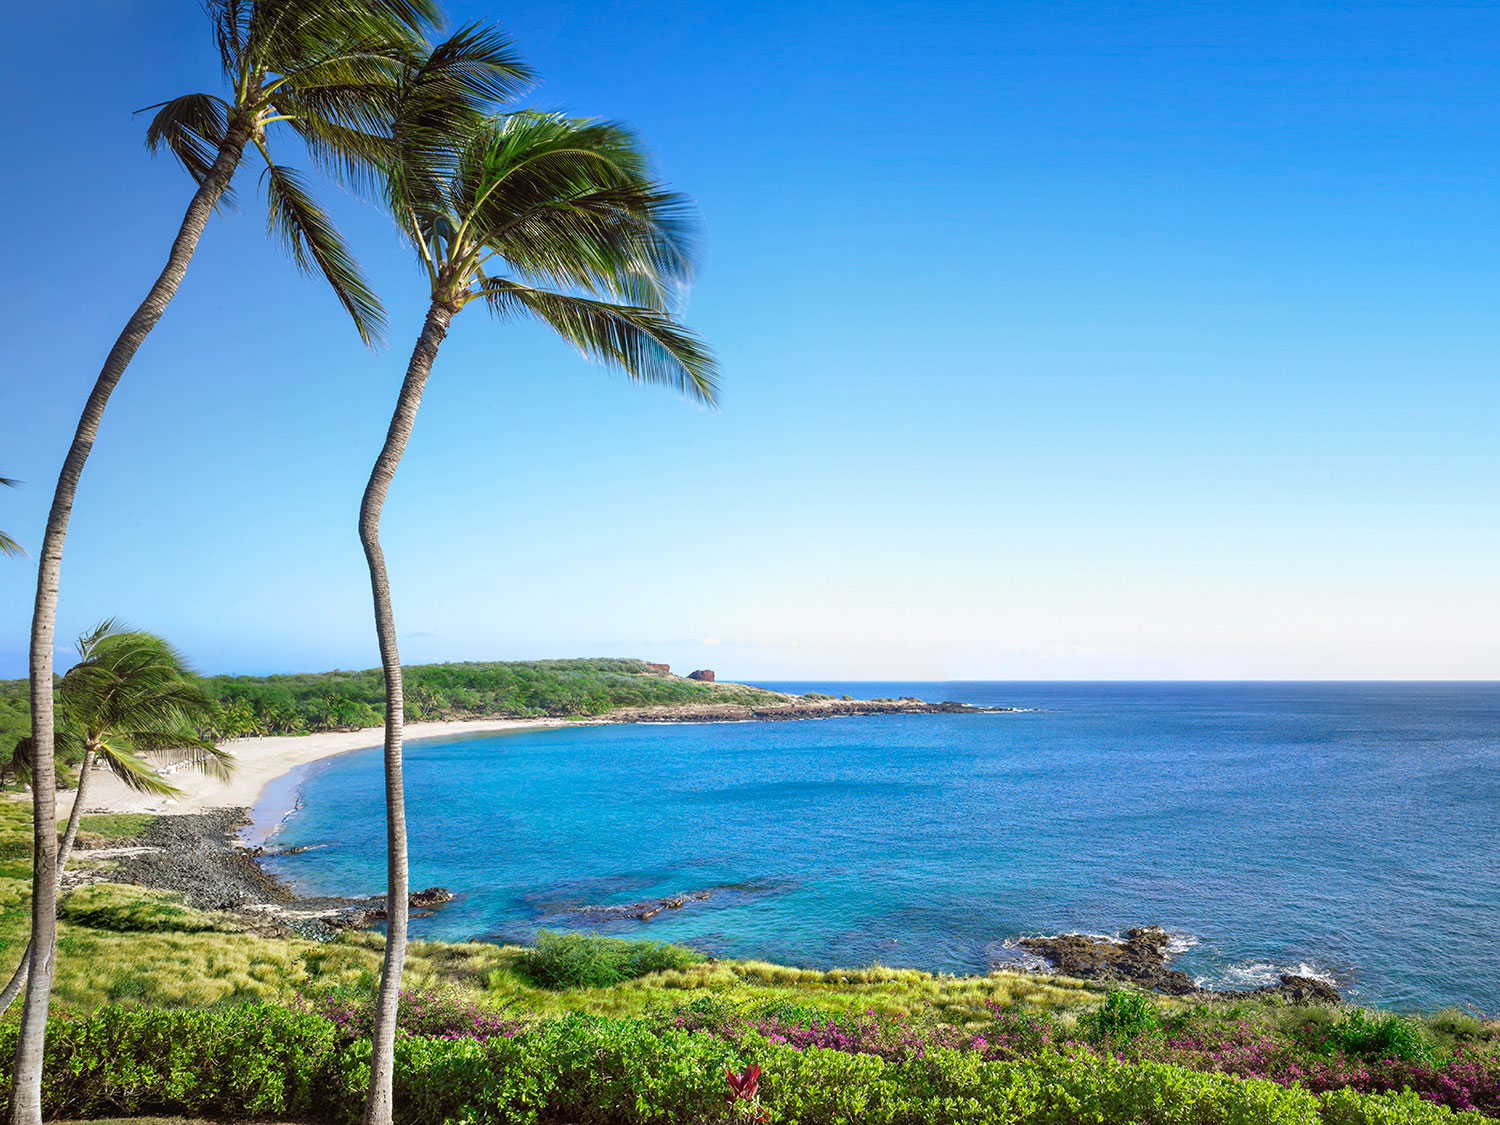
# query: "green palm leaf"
(313, 242)
(647, 345)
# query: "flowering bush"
(278, 1064)
(433, 1013)
(1337, 1058)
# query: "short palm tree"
(130, 693)
(328, 72)
(9, 546)
(540, 216)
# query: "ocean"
(1350, 831)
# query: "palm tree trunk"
(378, 1107)
(26, 1088)
(64, 849)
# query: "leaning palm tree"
(131, 693)
(327, 71)
(539, 216)
(9, 546)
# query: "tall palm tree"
(541, 216)
(130, 693)
(9, 546)
(326, 70)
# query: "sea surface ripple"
(1348, 830)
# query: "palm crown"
(557, 218)
(130, 693)
(329, 71)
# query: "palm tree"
(537, 215)
(327, 70)
(130, 693)
(9, 546)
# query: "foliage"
(339, 700)
(1125, 1017)
(129, 909)
(269, 1061)
(336, 700)
(129, 693)
(558, 961)
(437, 1012)
(99, 829)
(1359, 1033)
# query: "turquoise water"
(1348, 830)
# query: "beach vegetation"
(293, 1062)
(129, 909)
(323, 73)
(542, 218)
(130, 693)
(562, 960)
(9, 546)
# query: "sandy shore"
(262, 760)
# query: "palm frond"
(312, 241)
(135, 772)
(647, 345)
(191, 128)
(10, 547)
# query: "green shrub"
(267, 1062)
(589, 961)
(1124, 1017)
(1363, 1035)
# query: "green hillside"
(338, 700)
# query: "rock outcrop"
(704, 674)
(657, 669)
(1141, 959)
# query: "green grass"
(114, 828)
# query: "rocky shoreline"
(795, 707)
(1141, 957)
(199, 856)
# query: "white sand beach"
(262, 760)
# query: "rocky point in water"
(1141, 958)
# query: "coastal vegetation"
(130, 693)
(541, 217)
(305, 703)
(167, 1008)
(323, 72)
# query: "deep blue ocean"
(1349, 830)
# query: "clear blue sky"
(1060, 340)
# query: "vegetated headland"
(615, 690)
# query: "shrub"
(1125, 1017)
(1367, 1036)
(267, 1062)
(588, 961)
(435, 1013)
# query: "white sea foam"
(1261, 973)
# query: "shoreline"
(260, 762)
(203, 856)
(263, 760)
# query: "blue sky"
(1059, 340)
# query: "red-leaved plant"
(744, 1094)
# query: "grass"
(112, 828)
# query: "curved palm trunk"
(383, 1038)
(26, 1088)
(64, 850)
